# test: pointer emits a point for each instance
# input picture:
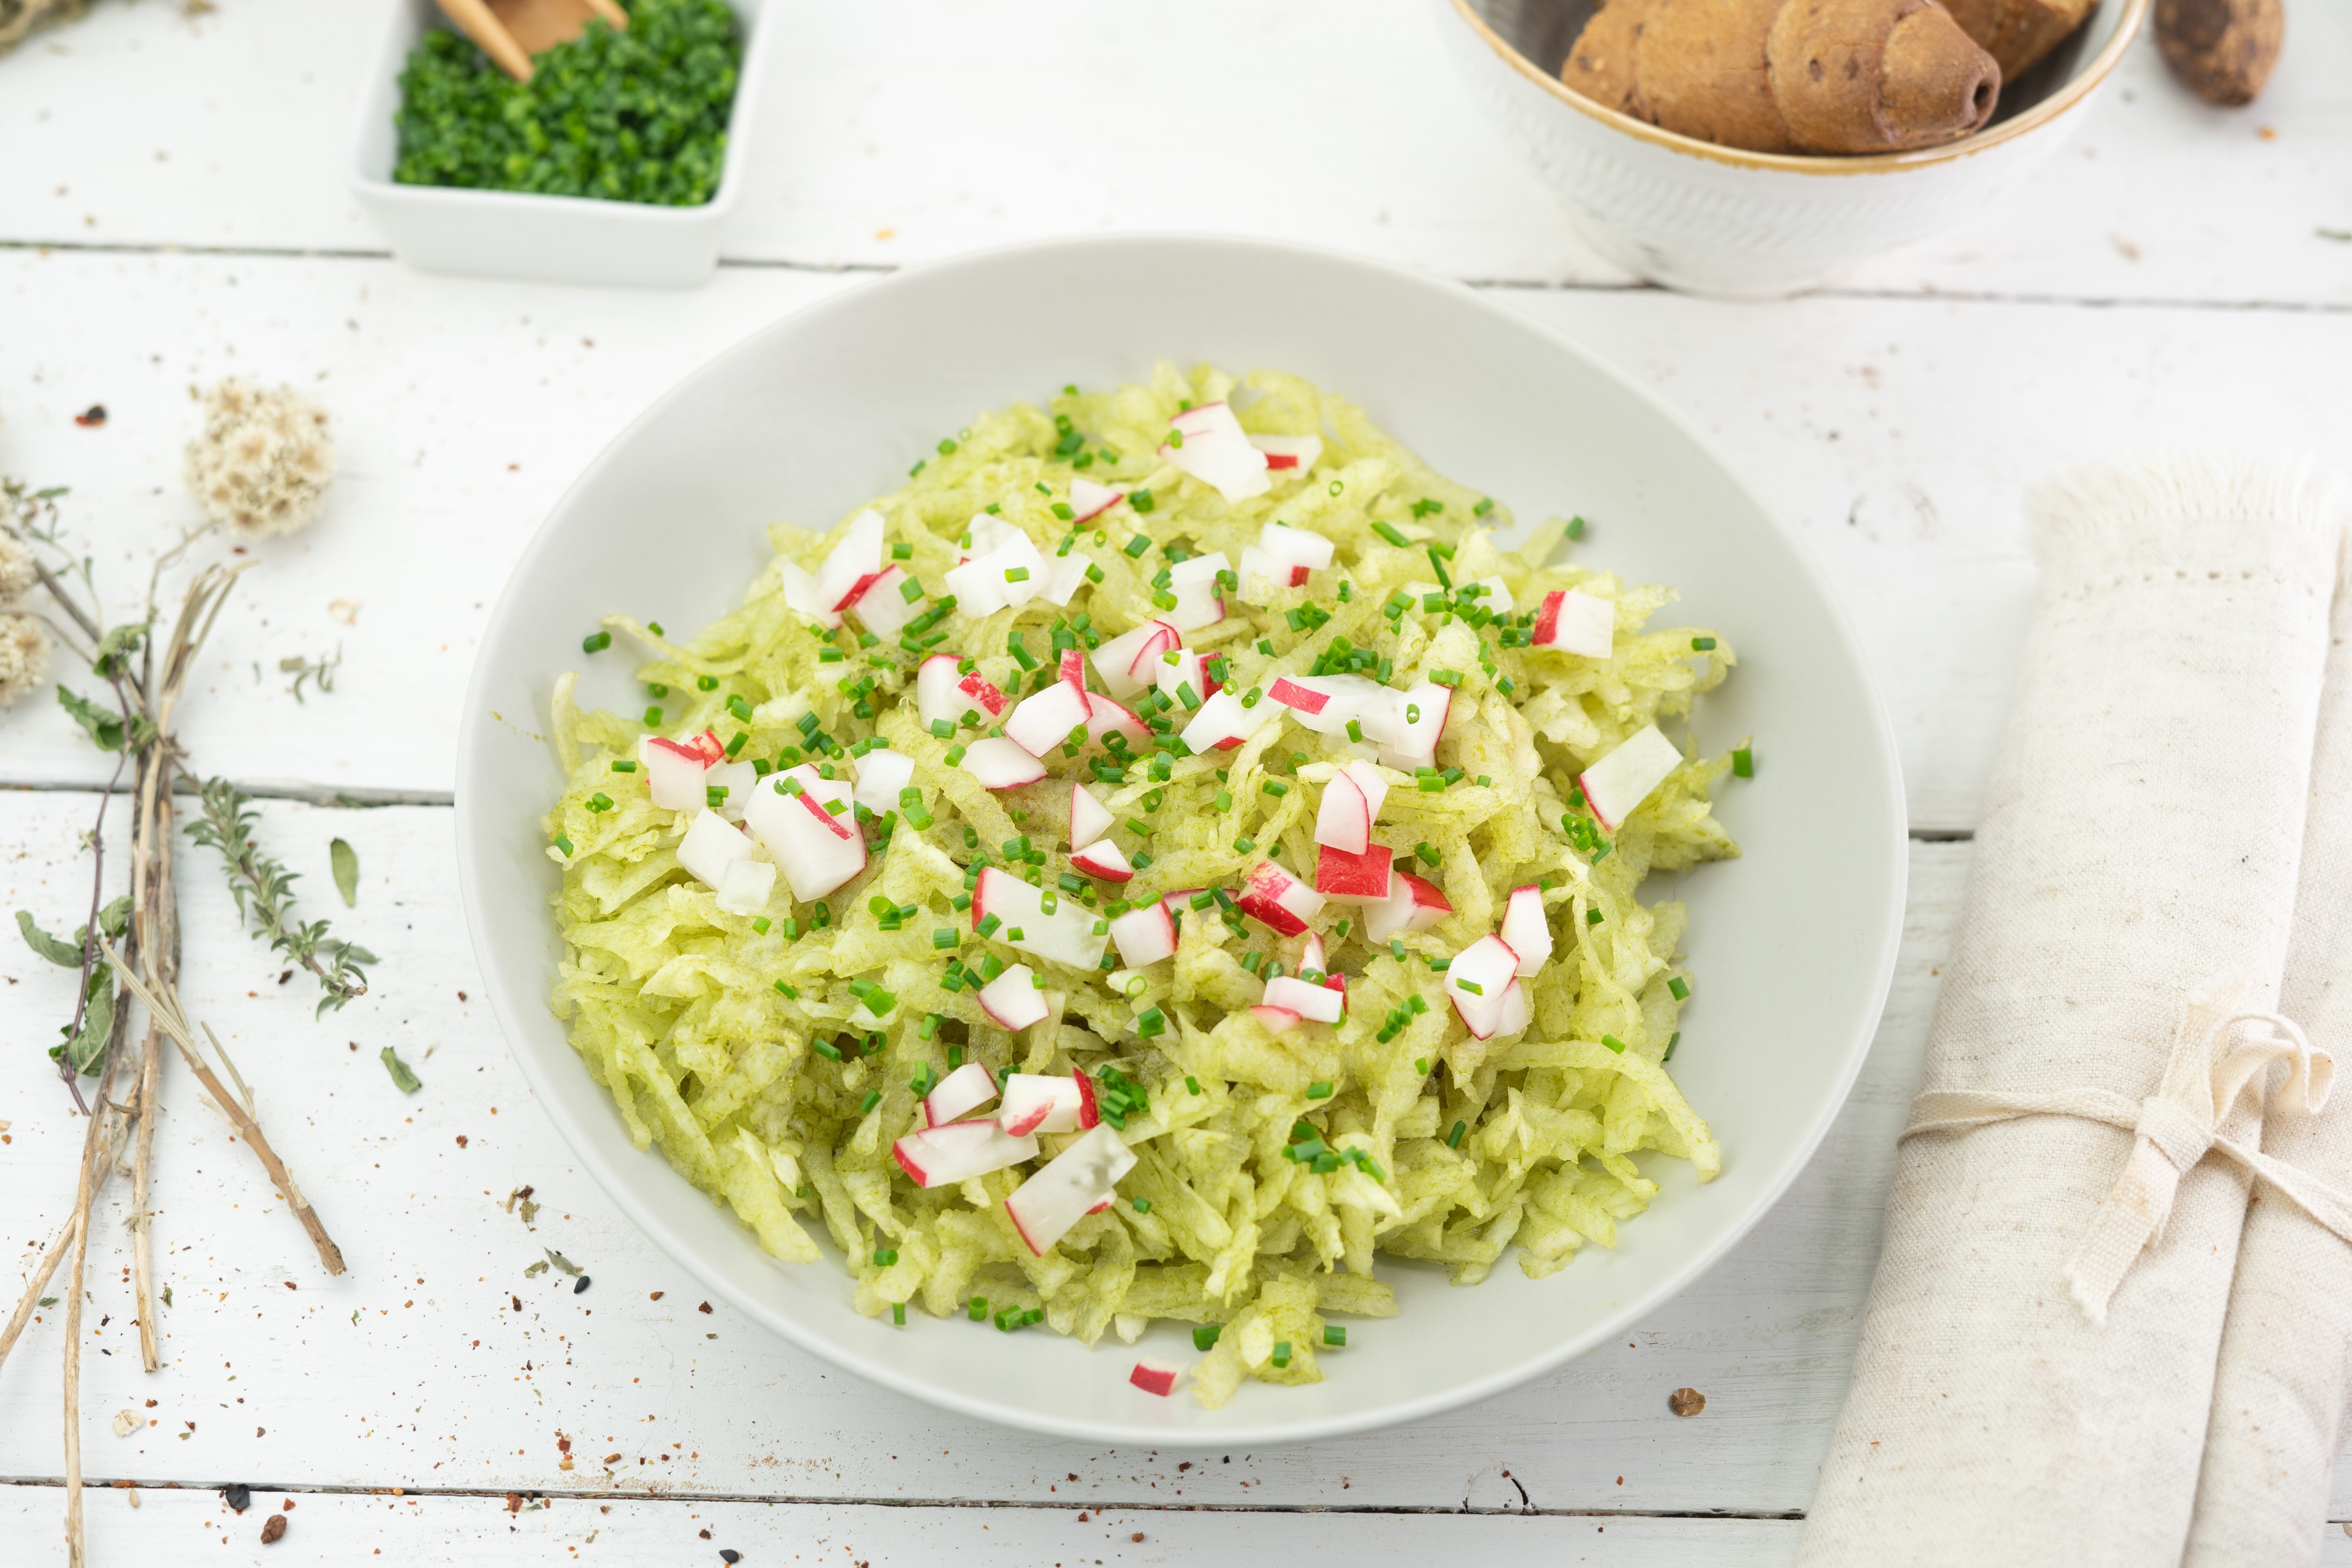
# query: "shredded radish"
(1576, 623)
(1217, 453)
(1072, 1184)
(1527, 929)
(1012, 1000)
(1622, 781)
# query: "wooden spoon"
(511, 31)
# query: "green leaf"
(116, 647)
(64, 953)
(115, 918)
(105, 728)
(48, 1300)
(167, 1295)
(83, 1052)
(346, 860)
(406, 1082)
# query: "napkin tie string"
(2220, 1055)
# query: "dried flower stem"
(155, 930)
(86, 1193)
(238, 1108)
(48, 1267)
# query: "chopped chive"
(710, 683)
(1678, 987)
(600, 802)
(1702, 644)
(595, 642)
(1204, 1337)
(884, 1258)
(761, 924)
(977, 1309)
(1743, 763)
(866, 1106)
(1141, 1205)
(1388, 531)
(564, 844)
(787, 992)
(1318, 1090)
(827, 1049)
(1672, 1040)
(898, 1313)
(1453, 1139)
(1333, 1334)
(1275, 786)
(1613, 1043)
(1421, 1065)
(621, 765)
(1282, 1352)
(1594, 917)
(1191, 1084)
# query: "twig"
(48, 1267)
(155, 928)
(263, 889)
(85, 1192)
(237, 1110)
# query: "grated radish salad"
(1163, 855)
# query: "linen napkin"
(2286, 1347)
(2031, 1386)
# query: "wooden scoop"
(511, 31)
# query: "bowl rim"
(384, 66)
(619, 1182)
(2077, 87)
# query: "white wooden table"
(173, 209)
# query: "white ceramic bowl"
(553, 239)
(1791, 946)
(1717, 220)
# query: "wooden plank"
(1898, 436)
(894, 134)
(166, 1526)
(419, 1368)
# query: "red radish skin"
(1145, 936)
(1088, 1116)
(1105, 861)
(1290, 694)
(1279, 900)
(1106, 716)
(941, 1156)
(1074, 670)
(1156, 1377)
(1039, 1103)
(837, 826)
(1278, 1020)
(968, 1088)
(1354, 879)
(1305, 998)
(984, 693)
(1089, 500)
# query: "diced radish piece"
(1311, 953)
(1089, 1109)
(968, 1088)
(880, 775)
(1278, 1020)
(1351, 800)
(1622, 781)
(1194, 583)
(1308, 700)
(1001, 764)
(881, 606)
(1412, 905)
(1107, 715)
(1159, 1377)
(1067, 934)
(1012, 1000)
(1090, 818)
(1010, 574)
(1072, 668)
(747, 886)
(1223, 723)
(944, 1155)
(713, 754)
(1044, 719)
(1089, 500)
(1476, 981)
(1217, 453)
(711, 844)
(937, 691)
(1144, 936)
(1305, 998)
(1498, 597)
(1038, 1103)
(1124, 663)
(1354, 879)
(1103, 860)
(1342, 698)
(852, 564)
(739, 779)
(803, 594)
(1288, 454)
(1178, 667)
(816, 849)
(1518, 1013)
(1280, 900)
(674, 773)
(988, 532)
(1576, 623)
(1064, 575)
(983, 694)
(1262, 575)
(1294, 547)
(1418, 717)
(1072, 1184)
(1527, 929)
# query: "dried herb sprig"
(264, 891)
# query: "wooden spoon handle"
(614, 18)
(474, 18)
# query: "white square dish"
(554, 239)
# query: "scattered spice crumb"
(1137, 1536)
(461, 1139)
(705, 1307)
(272, 1528)
(1686, 1402)
(657, 1296)
(727, 1554)
(579, 1284)
(237, 1497)
(92, 417)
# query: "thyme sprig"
(264, 891)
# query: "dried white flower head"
(23, 656)
(263, 462)
(16, 573)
